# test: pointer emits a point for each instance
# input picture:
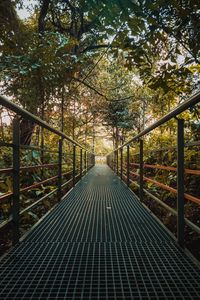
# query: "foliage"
(99, 68)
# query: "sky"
(25, 12)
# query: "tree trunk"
(26, 131)
(62, 109)
(42, 16)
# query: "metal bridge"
(99, 241)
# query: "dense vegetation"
(101, 71)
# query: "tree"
(63, 42)
(162, 40)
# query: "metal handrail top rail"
(26, 114)
(172, 114)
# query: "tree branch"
(122, 99)
(100, 94)
(42, 15)
(90, 48)
(90, 87)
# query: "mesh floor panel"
(99, 243)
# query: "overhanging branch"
(90, 87)
(100, 94)
(90, 48)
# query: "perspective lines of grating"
(99, 243)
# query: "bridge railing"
(136, 164)
(37, 173)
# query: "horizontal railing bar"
(29, 168)
(32, 168)
(3, 144)
(27, 147)
(6, 222)
(25, 114)
(67, 173)
(64, 184)
(8, 195)
(157, 199)
(187, 171)
(192, 144)
(192, 225)
(38, 201)
(41, 182)
(172, 114)
(71, 179)
(173, 211)
(8, 170)
(187, 145)
(44, 197)
(168, 188)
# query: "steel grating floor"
(99, 243)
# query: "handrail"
(167, 168)
(26, 114)
(169, 208)
(167, 188)
(172, 114)
(81, 160)
(116, 161)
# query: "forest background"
(102, 71)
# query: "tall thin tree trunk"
(73, 123)
(62, 109)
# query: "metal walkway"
(99, 243)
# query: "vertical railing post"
(121, 163)
(87, 162)
(42, 151)
(117, 158)
(141, 171)
(180, 182)
(60, 154)
(81, 162)
(16, 180)
(74, 164)
(85, 159)
(128, 166)
(91, 158)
